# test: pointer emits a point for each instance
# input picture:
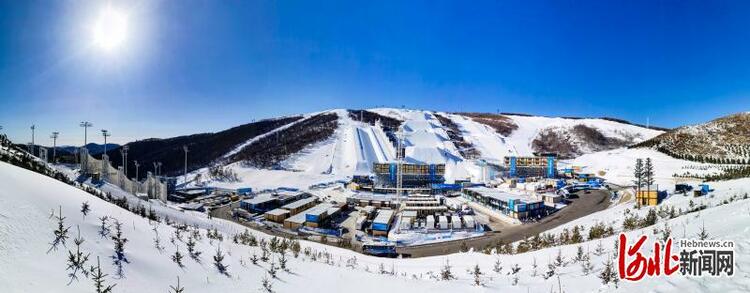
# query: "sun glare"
(110, 29)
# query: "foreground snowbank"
(27, 200)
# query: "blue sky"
(196, 66)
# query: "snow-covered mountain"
(310, 151)
(722, 140)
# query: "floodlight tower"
(85, 125)
(124, 154)
(105, 134)
(185, 148)
(54, 144)
(399, 167)
(33, 127)
(136, 169)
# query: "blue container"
(311, 218)
(380, 226)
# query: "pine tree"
(514, 271)
(157, 240)
(666, 232)
(497, 268)
(579, 254)
(477, 273)
(99, 279)
(77, 260)
(576, 236)
(177, 288)
(638, 175)
(177, 256)
(648, 174)
(266, 284)
(85, 209)
(254, 259)
(445, 272)
(550, 270)
(282, 262)
(119, 247)
(608, 274)
(272, 270)
(218, 262)
(194, 254)
(703, 234)
(586, 266)
(559, 259)
(104, 227)
(61, 233)
(295, 248)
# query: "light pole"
(54, 144)
(124, 153)
(85, 125)
(136, 169)
(105, 134)
(185, 148)
(33, 127)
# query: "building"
(650, 196)
(375, 200)
(551, 199)
(531, 166)
(316, 216)
(297, 206)
(382, 223)
(456, 222)
(294, 222)
(268, 201)
(423, 205)
(414, 175)
(277, 215)
(516, 206)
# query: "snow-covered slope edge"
(27, 199)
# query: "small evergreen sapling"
(104, 226)
(497, 268)
(77, 260)
(85, 209)
(266, 284)
(477, 273)
(218, 262)
(445, 272)
(119, 246)
(177, 256)
(177, 288)
(99, 279)
(61, 233)
(703, 234)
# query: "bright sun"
(110, 29)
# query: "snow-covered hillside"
(355, 145)
(722, 140)
(27, 201)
